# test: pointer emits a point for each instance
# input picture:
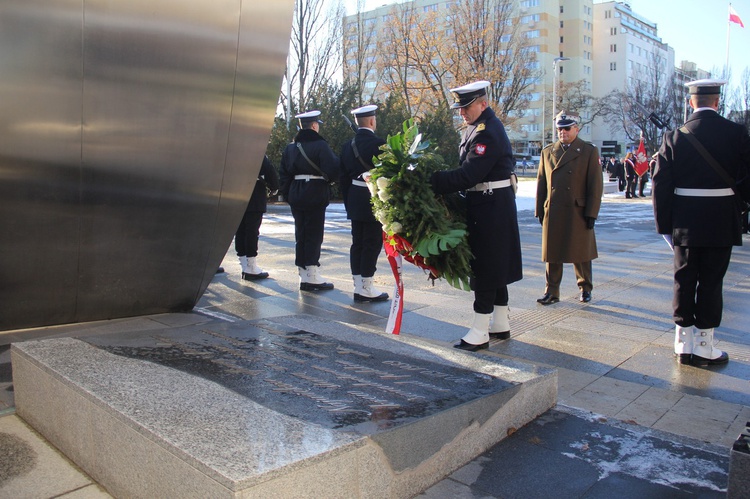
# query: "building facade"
(627, 48)
(599, 47)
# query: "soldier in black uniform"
(698, 210)
(486, 165)
(307, 166)
(367, 232)
(246, 237)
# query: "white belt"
(704, 193)
(308, 177)
(488, 186)
(359, 183)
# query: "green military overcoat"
(569, 189)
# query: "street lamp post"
(554, 84)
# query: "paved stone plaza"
(630, 422)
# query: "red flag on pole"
(641, 160)
(734, 17)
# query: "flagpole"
(729, 25)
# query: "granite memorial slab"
(300, 406)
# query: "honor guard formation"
(700, 187)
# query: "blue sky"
(696, 29)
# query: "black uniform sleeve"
(269, 174)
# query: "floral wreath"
(426, 229)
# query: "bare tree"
(739, 100)
(576, 97)
(649, 94)
(398, 58)
(424, 54)
(314, 53)
(487, 43)
(360, 54)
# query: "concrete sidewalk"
(630, 422)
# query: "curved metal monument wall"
(131, 134)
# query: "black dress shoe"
(585, 296)
(548, 299)
(471, 348)
(309, 286)
(366, 299)
(504, 335)
(220, 270)
(683, 358)
(254, 277)
(703, 362)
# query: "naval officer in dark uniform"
(486, 164)
(697, 209)
(307, 166)
(367, 232)
(246, 236)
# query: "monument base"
(294, 407)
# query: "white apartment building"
(554, 29)
(626, 48)
(604, 45)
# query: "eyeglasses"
(566, 128)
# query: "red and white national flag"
(734, 17)
(641, 160)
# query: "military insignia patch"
(480, 127)
(480, 149)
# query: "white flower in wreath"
(383, 195)
(382, 217)
(382, 183)
(396, 228)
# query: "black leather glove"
(590, 222)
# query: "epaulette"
(548, 146)
(480, 127)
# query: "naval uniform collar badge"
(480, 127)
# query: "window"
(430, 8)
(613, 47)
(561, 68)
(530, 34)
(562, 24)
(607, 14)
(562, 9)
(613, 66)
(561, 39)
(613, 30)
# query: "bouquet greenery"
(426, 229)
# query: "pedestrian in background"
(568, 198)
(246, 237)
(486, 165)
(367, 232)
(696, 207)
(630, 176)
(308, 165)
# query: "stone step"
(293, 407)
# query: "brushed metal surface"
(131, 133)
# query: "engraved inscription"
(336, 384)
